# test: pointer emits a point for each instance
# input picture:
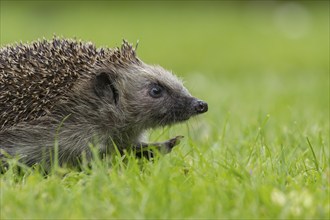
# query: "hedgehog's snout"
(200, 106)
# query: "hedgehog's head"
(148, 96)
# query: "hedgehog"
(71, 93)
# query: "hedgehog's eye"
(156, 91)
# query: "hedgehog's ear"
(104, 87)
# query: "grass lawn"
(262, 150)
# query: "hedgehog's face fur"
(149, 96)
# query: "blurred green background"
(243, 57)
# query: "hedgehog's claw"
(146, 149)
(172, 143)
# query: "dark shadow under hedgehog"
(77, 94)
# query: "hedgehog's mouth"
(195, 107)
(181, 113)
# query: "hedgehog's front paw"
(147, 149)
(167, 146)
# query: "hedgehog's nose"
(201, 106)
